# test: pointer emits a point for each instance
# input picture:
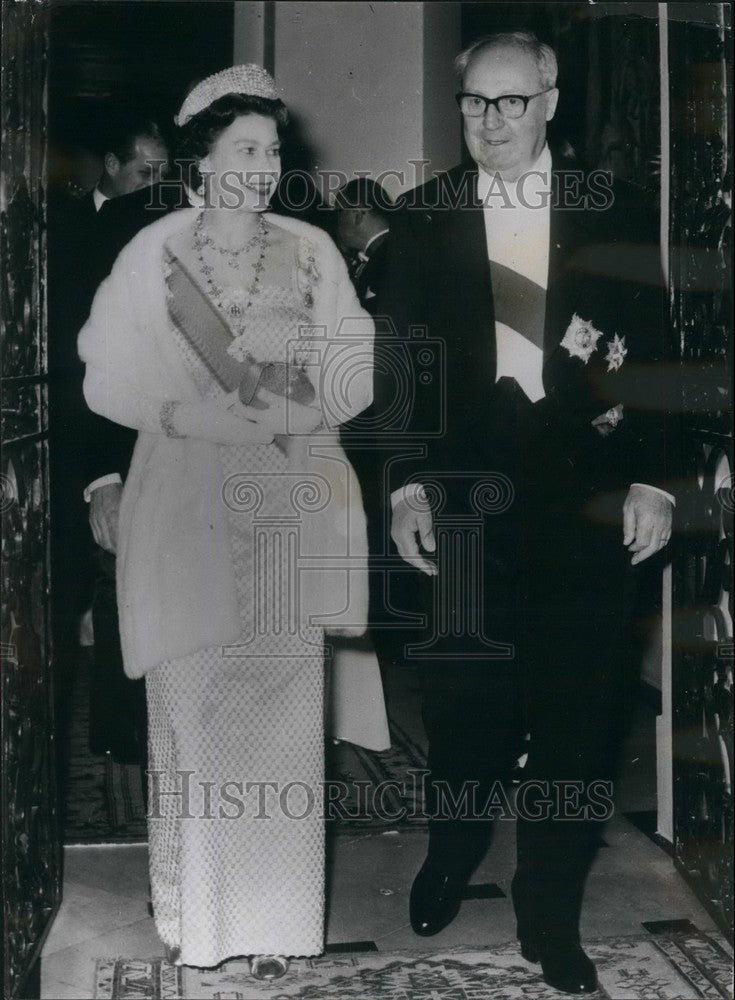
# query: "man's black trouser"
(118, 717)
(557, 586)
(568, 685)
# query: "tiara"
(249, 79)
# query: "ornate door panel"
(702, 318)
(30, 840)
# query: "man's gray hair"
(525, 41)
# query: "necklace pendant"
(235, 303)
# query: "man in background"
(363, 208)
(134, 157)
(90, 455)
(363, 224)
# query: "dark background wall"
(106, 58)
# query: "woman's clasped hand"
(224, 420)
(285, 416)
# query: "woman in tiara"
(232, 340)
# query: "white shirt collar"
(99, 199)
(194, 199)
(527, 191)
(374, 238)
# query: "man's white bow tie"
(358, 263)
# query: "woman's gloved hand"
(224, 421)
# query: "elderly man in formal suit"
(537, 289)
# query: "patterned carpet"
(104, 799)
(669, 967)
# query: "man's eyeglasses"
(507, 105)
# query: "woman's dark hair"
(195, 138)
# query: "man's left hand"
(104, 515)
(647, 517)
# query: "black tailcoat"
(603, 266)
(368, 275)
(83, 245)
(553, 575)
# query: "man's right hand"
(411, 523)
(104, 514)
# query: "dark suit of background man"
(91, 455)
(551, 463)
(363, 224)
(363, 212)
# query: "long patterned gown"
(239, 869)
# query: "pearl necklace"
(236, 304)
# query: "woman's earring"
(204, 169)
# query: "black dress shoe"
(435, 901)
(565, 967)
